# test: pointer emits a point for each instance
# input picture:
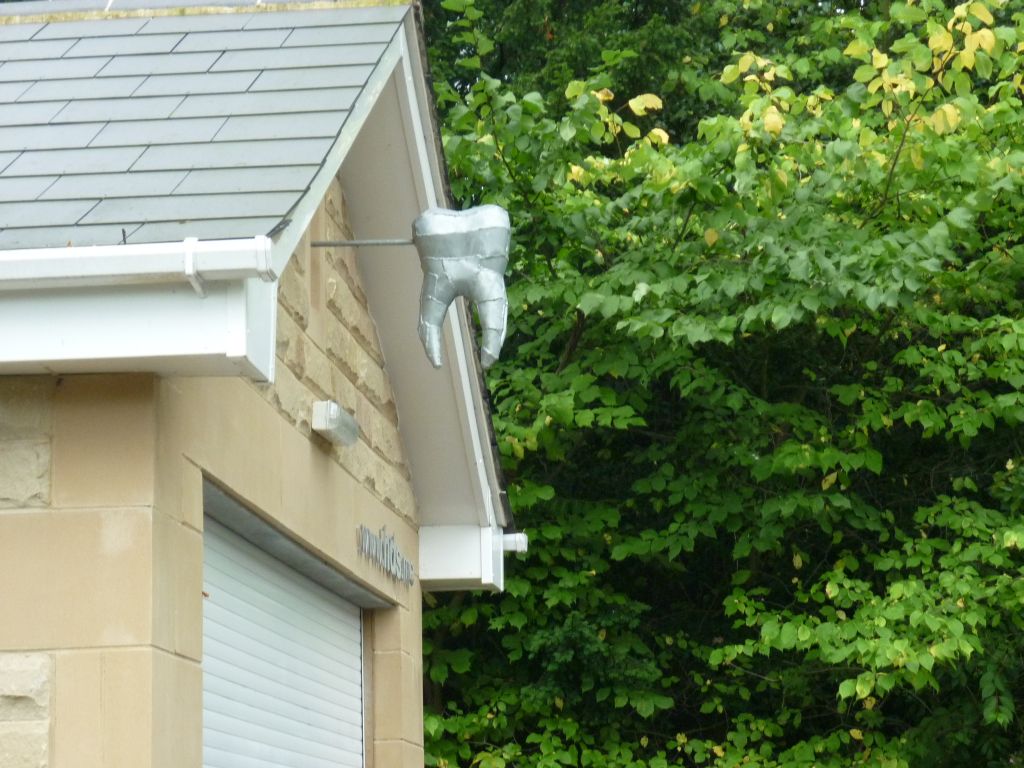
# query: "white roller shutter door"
(282, 663)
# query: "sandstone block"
(24, 473)
(353, 314)
(365, 372)
(294, 400)
(293, 294)
(26, 406)
(24, 686)
(291, 344)
(25, 744)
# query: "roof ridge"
(190, 10)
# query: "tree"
(760, 407)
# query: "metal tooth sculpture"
(463, 253)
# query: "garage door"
(282, 663)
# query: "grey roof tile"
(53, 69)
(194, 207)
(197, 23)
(24, 187)
(24, 50)
(96, 27)
(328, 17)
(239, 154)
(47, 6)
(158, 64)
(38, 213)
(51, 236)
(135, 132)
(209, 229)
(314, 77)
(18, 31)
(226, 41)
(363, 33)
(202, 82)
(124, 45)
(60, 161)
(292, 125)
(293, 177)
(48, 136)
(9, 92)
(6, 158)
(267, 103)
(29, 113)
(149, 108)
(82, 88)
(316, 56)
(166, 126)
(112, 185)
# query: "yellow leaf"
(645, 101)
(857, 734)
(945, 119)
(798, 562)
(879, 60)
(1009, 465)
(829, 480)
(986, 40)
(723, 20)
(966, 59)
(658, 136)
(604, 95)
(710, 236)
(746, 61)
(773, 121)
(730, 73)
(717, 749)
(940, 41)
(559, 702)
(981, 13)
(575, 173)
(917, 157)
(856, 49)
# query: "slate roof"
(156, 127)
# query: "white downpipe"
(193, 261)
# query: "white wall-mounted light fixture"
(334, 423)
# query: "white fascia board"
(185, 308)
(163, 328)
(416, 103)
(456, 557)
(190, 260)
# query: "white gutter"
(191, 260)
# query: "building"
(190, 575)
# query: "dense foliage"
(760, 407)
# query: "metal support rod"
(358, 243)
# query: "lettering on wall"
(382, 550)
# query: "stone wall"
(25, 690)
(26, 428)
(327, 348)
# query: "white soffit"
(443, 418)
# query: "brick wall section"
(26, 428)
(327, 348)
(25, 692)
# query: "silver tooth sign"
(463, 253)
